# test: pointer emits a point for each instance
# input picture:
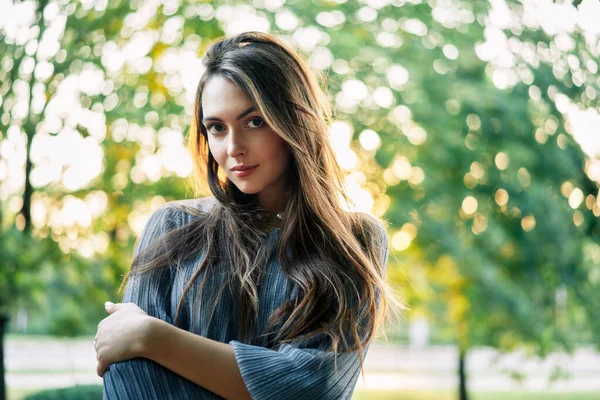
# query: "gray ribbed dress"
(290, 372)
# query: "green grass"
(14, 394)
(537, 396)
(452, 395)
(20, 394)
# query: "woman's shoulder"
(371, 223)
(194, 206)
(372, 233)
(180, 212)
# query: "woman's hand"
(121, 336)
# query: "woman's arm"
(129, 332)
(208, 363)
(233, 371)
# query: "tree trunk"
(26, 209)
(3, 394)
(30, 127)
(462, 378)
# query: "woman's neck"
(273, 209)
(272, 203)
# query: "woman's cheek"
(216, 150)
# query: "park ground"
(391, 371)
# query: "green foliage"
(79, 392)
(67, 324)
(447, 395)
(481, 274)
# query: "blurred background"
(471, 127)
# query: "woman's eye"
(257, 119)
(208, 129)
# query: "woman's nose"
(236, 146)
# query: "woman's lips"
(245, 172)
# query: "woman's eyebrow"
(242, 115)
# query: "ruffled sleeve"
(298, 373)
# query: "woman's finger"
(100, 368)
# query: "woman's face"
(250, 153)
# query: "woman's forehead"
(220, 96)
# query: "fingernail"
(108, 304)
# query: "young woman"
(269, 289)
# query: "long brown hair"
(335, 258)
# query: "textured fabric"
(290, 372)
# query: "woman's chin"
(246, 189)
